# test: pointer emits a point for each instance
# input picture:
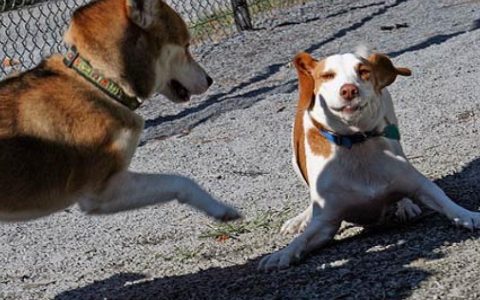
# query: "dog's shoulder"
(35, 83)
(52, 121)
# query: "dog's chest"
(357, 182)
(365, 204)
(125, 141)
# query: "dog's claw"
(281, 259)
(230, 215)
(470, 221)
(407, 210)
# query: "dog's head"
(141, 44)
(346, 89)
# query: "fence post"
(241, 15)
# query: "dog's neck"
(389, 131)
(113, 50)
(73, 60)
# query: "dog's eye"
(364, 73)
(327, 76)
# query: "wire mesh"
(32, 29)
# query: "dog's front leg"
(319, 232)
(298, 223)
(427, 192)
(128, 190)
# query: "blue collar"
(390, 132)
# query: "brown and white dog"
(67, 131)
(347, 150)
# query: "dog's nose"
(209, 80)
(349, 91)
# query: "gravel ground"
(235, 141)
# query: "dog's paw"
(296, 224)
(281, 259)
(226, 213)
(467, 219)
(407, 210)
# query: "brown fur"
(126, 52)
(317, 142)
(310, 76)
(384, 73)
(56, 137)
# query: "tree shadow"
(435, 40)
(374, 264)
(256, 95)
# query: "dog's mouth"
(350, 108)
(180, 92)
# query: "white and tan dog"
(346, 148)
(67, 129)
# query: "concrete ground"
(235, 141)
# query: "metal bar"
(241, 14)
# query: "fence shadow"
(369, 265)
(237, 101)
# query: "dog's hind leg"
(423, 190)
(128, 190)
(407, 210)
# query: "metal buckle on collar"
(70, 57)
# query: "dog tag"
(391, 132)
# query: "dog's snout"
(349, 91)
(209, 80)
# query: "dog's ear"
(384, 70)
(143, 13)
(305, 66)
(304, 63)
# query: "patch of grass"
(214, 26)
(264, 221)
(185, 254)
(220, 23)
(257, 6)
(181, 254)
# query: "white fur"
(176, 62)
(328, 95)
(128, 190)
(359, 183)
(127, 140)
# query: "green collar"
(73, 60)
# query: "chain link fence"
(33, 29)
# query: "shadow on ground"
(382, 264)
(231, 100)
